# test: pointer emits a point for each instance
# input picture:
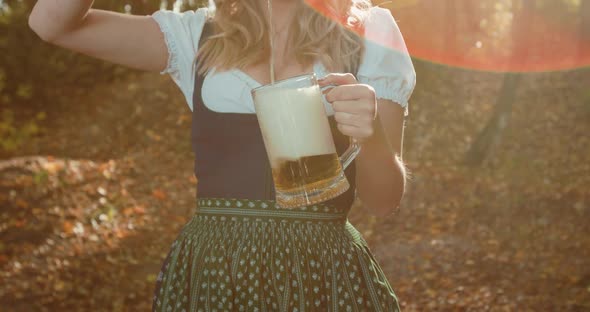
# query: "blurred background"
(96, 167)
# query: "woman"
(260, 257)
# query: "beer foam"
(293, 122)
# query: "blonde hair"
(240, 29)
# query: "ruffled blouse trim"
(396, 90)
(173, 49)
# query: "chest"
(229, 91)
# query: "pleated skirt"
(249, 255)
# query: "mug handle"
(348, 156)
(353, 149)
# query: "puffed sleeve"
(386, 64)
(182, 31)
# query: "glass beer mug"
(305, 166)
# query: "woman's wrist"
(377, 143)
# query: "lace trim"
(173, 51)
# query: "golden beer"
(316, 171)
(305, 166)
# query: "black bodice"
(230, 157)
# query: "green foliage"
(13, 134)
(34, 71)
(35, 74)
(37, 77)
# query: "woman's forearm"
(49, 18)
(380, 174)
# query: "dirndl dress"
(240, 252)
(249, 255)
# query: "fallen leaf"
(68, 227)
(159, 194)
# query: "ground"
(91, 206)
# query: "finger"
(337, 79)
(355, 132)
(349, 130)
(347, 119)
(360, 107)
(326, 89)
(350, 92)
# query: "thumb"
(337, 79)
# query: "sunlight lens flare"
(499, 36)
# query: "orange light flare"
(498, 36)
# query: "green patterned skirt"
(249, 255)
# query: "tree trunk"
(489, 138)
(491, 134)
(584, 43)
(450, 27)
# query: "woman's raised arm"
(130, 40)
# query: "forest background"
(96, 166)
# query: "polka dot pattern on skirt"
(249, 255)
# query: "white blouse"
(386, 64)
